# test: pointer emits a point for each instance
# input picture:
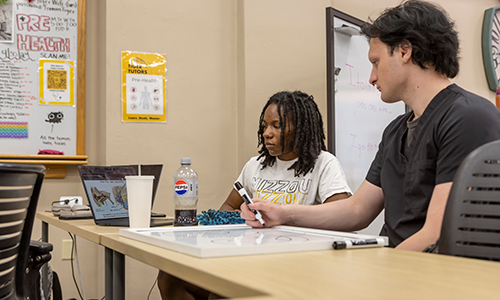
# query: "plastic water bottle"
(185, 194)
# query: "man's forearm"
(341, 215)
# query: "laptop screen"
(154, 170)
(105, 187)
(106, 190)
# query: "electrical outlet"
(67, 245)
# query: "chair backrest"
(471, 223)
(20, 186)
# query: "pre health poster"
(40, 30)
(144, 87)
(56, 82)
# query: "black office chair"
(471, 223)
(20, 262)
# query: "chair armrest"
(40, 247)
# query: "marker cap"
(337, 245)
(238, 185)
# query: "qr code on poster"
(56, 80)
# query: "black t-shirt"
(454, 123)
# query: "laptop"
(106, 190)
(154, 170)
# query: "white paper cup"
(139, 195)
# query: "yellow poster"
(56, 82)
(144, 87)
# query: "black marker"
(369, 243)
(246, 198)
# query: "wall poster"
(144, 79)
(56, 82)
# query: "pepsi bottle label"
(187, 188)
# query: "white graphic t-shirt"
(279, 185)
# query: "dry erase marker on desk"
(354, 244)
(246, 198)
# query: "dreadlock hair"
(299, 109)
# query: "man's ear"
(406, 50)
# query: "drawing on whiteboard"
(55, 118)
(239, 237)
(259, 237)
(16, 130)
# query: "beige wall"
(224, 59)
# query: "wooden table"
(377, 273)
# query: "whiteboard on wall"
(38, 57)
(357, 116)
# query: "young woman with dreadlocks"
(293, 166)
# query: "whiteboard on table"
(240, 239)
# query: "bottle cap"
(185, 161)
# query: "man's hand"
(351, 214)
(272, 214)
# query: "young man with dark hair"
(414, 51)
